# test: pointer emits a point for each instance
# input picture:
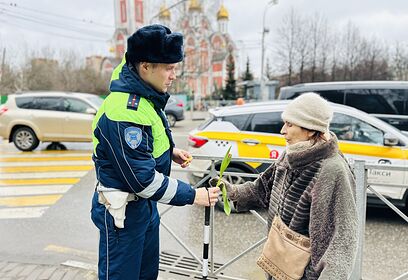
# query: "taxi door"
(359, 140)
(261, 138)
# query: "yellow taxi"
(253, 130)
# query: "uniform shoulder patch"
(133, 136)
(133, 102)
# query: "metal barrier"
(360, 169)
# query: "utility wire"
(42, 20)
(93, 33)
(14, 5)
(52, 33)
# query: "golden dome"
(222, 13)
(194, 6)
(164, 12)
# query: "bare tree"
(334, 46)
(400, 62)
(68, 76)
(8, 81)
(287, 34)
(303, 45)
(307, 49)
(375, 61)
(318, 42)
(324, 49)
(351, 41)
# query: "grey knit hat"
(309, 111)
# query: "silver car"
(27, 119)
(174, 111)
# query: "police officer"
(133, 149)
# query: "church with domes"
(207, 50)
(207, 43)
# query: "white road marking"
(35, 155)
(22, 213)
(46, 163)
(37, 159)
(83, 265)
(33, 190)
(71, 251)
(44, 175)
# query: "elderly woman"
(310, 195)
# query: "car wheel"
(232, 180)
(25, 139)
(171, 119)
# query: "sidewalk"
(25, 271)
(21, 271)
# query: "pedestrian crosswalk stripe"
(65, 158)
(31, 182)
(47, 163)
(50, 181)
(34, 190)
(21, 213)
(71, 251)
(46, 175)
(39, 155)
(46, 168)
(19, 201)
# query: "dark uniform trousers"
(132, 252)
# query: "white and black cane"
(206, 238)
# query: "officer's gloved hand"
(231, 190)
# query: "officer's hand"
(206, 197)
(182, 157)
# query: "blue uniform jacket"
(123, 150)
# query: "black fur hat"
(155, 43)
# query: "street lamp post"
(264, 93)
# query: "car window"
(75, 105)
(396, 98)
(352, 129)
(336, 96)
(95, 100)
(26, 102)
(206, 123)
(368, 100)
(239, 121)
(270, 122)
(47, 103)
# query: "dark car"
(174, 110)
(387, 100)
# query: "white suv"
(28, 118)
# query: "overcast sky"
(20, 27)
